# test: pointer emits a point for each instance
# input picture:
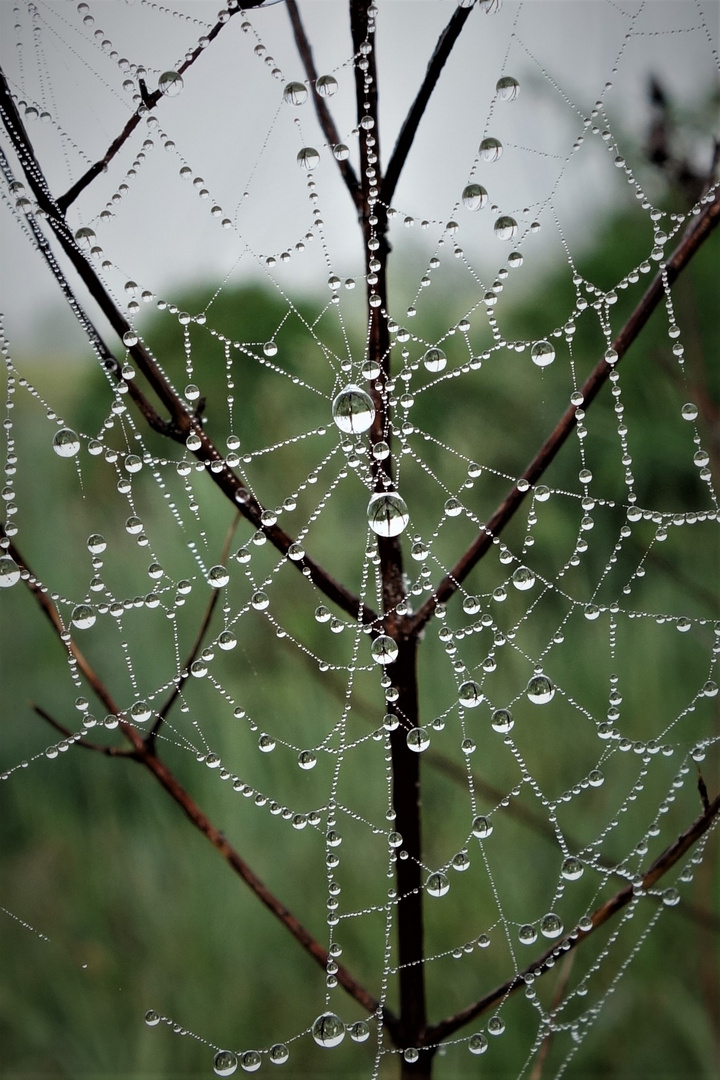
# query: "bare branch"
(405, 139)
(109, 751)
(145, 754)
(327, 123)
(695, 235)
(182, 421)
(436, 1033)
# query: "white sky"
(232, 128)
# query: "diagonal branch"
(182, 422)
(144, 753)
(327, 123)
(438, 1032)
(109, 751)
(405, 139)
(695, 235)
(149, 101)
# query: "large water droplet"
(470, 695)
(295, 93)
(66, 443)
(502, 721)
(474, 197)
(218, 576)
(83, 616)
(9, 572)
(551, 925)
(481, 828)
(387, 514)
(384, 650)
(490, 149)
(437, 884)
(542, 353)
(527, 934)
(505, 227)
(417, 739)
(523, 578)
(507, 88)
(308, 158)
(251, 1061)
(360, 1031)
(225, 1063)
(326, 85)
(278, 1053)
(353, 410)
(540, 690)
(435, 360)
(572, 868)
(170, 84)
(328, 1030)
(477, 1044)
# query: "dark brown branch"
(695, 235)
(149, 101)
(145, 754)
(327, 123)
(444, 47)
(109, 751)
(182, 422)
(197, 643)
(438, 1032)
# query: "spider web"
(567, 688)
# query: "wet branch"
(445, 1028)
(327, 123)
(405, 139)
(182, 422)
(143, 752)
(695, 235)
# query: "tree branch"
(182, 421)
(436, 1033)
(695, 235)
(145, 755)
(327, 123)
(405, 139)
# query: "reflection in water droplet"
(9, 572)
(251, 1061)
(470, 695)
(218, 576)
(572, 868)
(477, 1044)
(490, 149)
(387, 514)
(540, 690)
(417, 739)
(434, 360)
(83, 616)
(527, 934)
(437, 884)
(551, 925)
(507, 88)
(481, 828)
(152, 1019)
(502, 721)
(66, 443)
(308, 158)
(307, 759)
(328, 1030)
(353, 410)
(295, 93)
(279, 1054)
(474, 197)
(170, 84)
(384, 650)
(523, 578)
(326, 85)
(542, 353)
(225, 1063)
(505, 227)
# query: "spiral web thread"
(552, 696)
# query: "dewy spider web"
(320, 430)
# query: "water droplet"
(170, 84)
(359, 1031)
(83, 616)
(218, 576)
(130, 338)
(152, 1019)
(296, 552)
(133, 463)
(490, 149)
(515, 259)
(417, 739)
(307, 760)
(438, 884)
(225, 1063)
(308, 158)
(384, 650)
(278, 1054)
(328, 1030)
(540, 690)
(270, 348)
(381, 451)
(671, 897)
(227, 640)
(411, 1054)
(527, 934)
(689, 411)
(471, 605)
(453, 507)
(326, 85)
(251, 1061)
(481, 828)
(295, 93)
(477, 1044)
(551, 925)
(495, 1025)
(353, 410)
(502, 721)
(96, 543)
(505, 227)
(507, 88)
(435, 360)
(542, 353)
(523, 578)
(470, 695)
(66, 443)
(266, 744)
(341, 152)
(260, 600)
(9, 572)
(85, 237)
(387, 514)
(572, 868)
(474, 197)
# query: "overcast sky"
(232, 128)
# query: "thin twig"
(182, 422)
(699, 230)
(408, 131)
(109, 751)
(145, 755)
(324, 115)
(438, 1032)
